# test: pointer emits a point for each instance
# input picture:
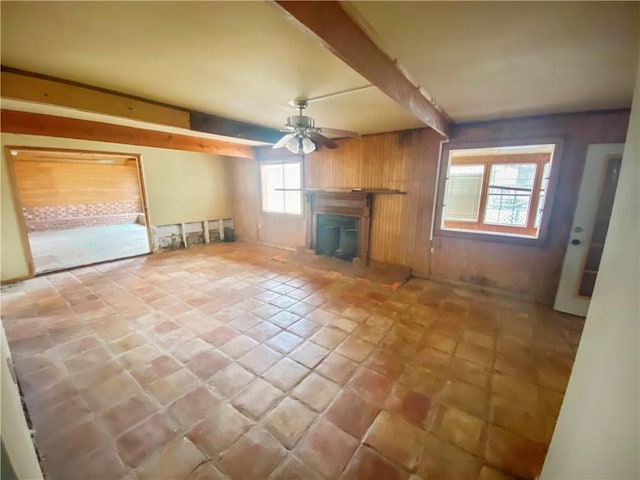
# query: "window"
(498, 191)
(509, 194)
(281, 187)
(465, 185)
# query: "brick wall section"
(59, 217)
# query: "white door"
(589, 228)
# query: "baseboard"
(16, 280)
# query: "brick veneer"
(59, 217)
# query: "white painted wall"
(598, 430)
(13, 426)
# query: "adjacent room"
(320, 240)
(79, 208)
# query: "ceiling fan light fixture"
(300, 145)
(307, 145)
(304, 137)
(293, 145)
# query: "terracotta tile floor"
(218, 362)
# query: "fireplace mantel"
(353, 202)
(373, 191)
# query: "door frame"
(17, 199)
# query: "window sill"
(282, 214)
(492, 237)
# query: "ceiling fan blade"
(335, 132)
(323, 141)
(283, 141)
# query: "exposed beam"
(32, 87)
(204, 122)
(52, 126)
(343, 36)
(37, 89)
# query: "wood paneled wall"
(532, 271)
(401, 224)
(244, 181)
(248, 220)
(49, 183)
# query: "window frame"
(500, 233)
(283, 161)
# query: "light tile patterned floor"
(217, 362)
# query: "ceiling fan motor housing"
(300, 121)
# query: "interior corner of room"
(281, 198)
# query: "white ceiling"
(484, 60)
(245, 60)
(241, 60)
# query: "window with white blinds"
(463, 193)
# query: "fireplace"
(338, 223)
(337, 236)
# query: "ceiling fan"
(302, 135)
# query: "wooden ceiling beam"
(345, 38)
(207, 123)
(35, 88)
(12, 121)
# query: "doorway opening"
(80, 208)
